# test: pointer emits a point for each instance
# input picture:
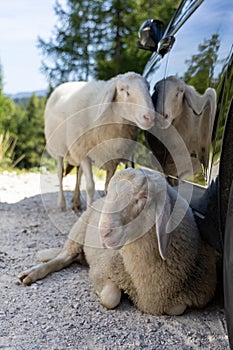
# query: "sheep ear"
(194, 100)
(108, 97)
(163, 209)
(163, 213)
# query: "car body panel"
(206, 21)
(201, 54)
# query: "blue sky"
(21, 22)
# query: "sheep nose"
(148, 118)
(105, 232)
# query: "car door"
(201, 56)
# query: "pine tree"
(123, 20)
(31, 140)
(27, 128)
(68, 54)
(200, 72)
(98, 39)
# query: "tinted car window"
(200, 56)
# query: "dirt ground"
(62, 311)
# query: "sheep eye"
(125, 90)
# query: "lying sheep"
(154, 250)
(192, 115)
(110, 168)
(82, 116)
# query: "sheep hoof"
(110, 295)
(176, 310)
(62, 208)
(61, 204)
(76, 208)
(25, 278)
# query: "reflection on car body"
(197, 58)
(196, 48)
(191, 114)
(202, 57)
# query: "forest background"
(91, 40)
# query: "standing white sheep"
(155, 253)
(96, 121)
(180, 107)
(110, 167)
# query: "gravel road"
(62, 311)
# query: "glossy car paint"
(196, 27)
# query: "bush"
(7, 151)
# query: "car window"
(192, 76)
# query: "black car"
(196, 48)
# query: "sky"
(21, 22)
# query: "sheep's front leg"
(61, 197)
(68, 255)
(90, 185)
(106, 289)
(76, 197)
(106, 282)
(176, 310)
(110, 296)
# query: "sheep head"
(168, 100)
(172, 95)
(137, 201)
(127, 95)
